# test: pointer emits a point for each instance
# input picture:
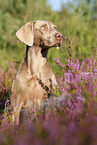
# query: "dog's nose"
(58, 35)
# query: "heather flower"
(67, 61)
(84, 77)
(67, 77)
(95, 69)
(69, 103)
(82, 66)
(58, 62)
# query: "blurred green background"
(76, 20)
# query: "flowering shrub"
(78, 79)
(5, 83)
(69, 118)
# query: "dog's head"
(40, 33)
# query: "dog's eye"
(44, 28)
(54, 28)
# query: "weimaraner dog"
(34, 75)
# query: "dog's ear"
(25, 33)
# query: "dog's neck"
(35, 58)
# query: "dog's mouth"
(58, 44)
(44, 50)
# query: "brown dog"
(34, 74)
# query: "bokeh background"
(76, 19)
